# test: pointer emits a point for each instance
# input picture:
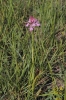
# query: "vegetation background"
(33, 65)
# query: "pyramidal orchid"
(32, 23)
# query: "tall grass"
(32, 65)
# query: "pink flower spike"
(32, 23)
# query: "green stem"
(32, 66)
(32, 50)
(32, 69)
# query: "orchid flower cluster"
(32, 23)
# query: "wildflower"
(32, 23)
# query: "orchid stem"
(32, 72)
(33, 68)
(32, 50)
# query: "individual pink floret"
(32, 23)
